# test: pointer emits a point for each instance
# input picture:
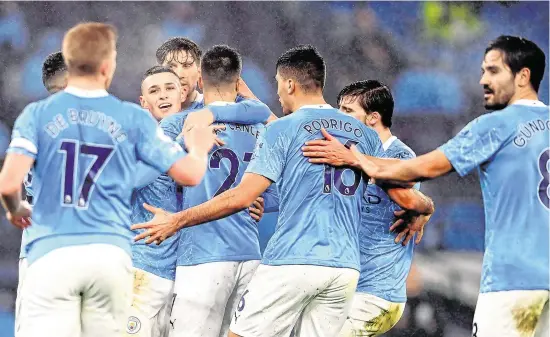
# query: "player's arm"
(425, 167)
(331, 151)
(411, 199)
(265, 168)
(474, 145)
(13, 172)
(245, 112)
(228, 203)
(21, 155)
(160, 152)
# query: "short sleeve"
(24, 137)
(155, 148)
(475, 144)
(269, 154)
(145, 175)
(172, 127)
(245, 112)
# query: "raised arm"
(425, 167)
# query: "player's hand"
(409, 224)
(329, 151)
(200, 118)
(257, 209)
(162, 226)
(201, 139)
(245, 91)
(22, 217)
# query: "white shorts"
(314, 300)
(149, 314)
(207, 295)
(80, 290)
(371, 316)
(22, 271)
(517, 313)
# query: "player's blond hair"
(87, 45)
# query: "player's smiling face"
(161, 95)
(186, 67)
(497, 80)
(350, 105)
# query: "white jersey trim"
(316, 106)
(389, 142)
(86, 93)
(221, 103)
(25, 144)
(529, 102)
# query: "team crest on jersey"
(133, 326)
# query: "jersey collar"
(220, 103)
(388, 143)
(316, 106)
(96, 93)
(529, 102)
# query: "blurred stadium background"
(428, 52)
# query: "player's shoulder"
(177, 119)
(398, 149)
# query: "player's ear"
(291, 86)
(143, 103)
(200, 83)
(523, 77)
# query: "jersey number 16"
(333, 174)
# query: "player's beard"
(499, 101)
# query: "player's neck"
(86, 82)
(189, 100)
(524, 94)
(383, 132)
(211, 96)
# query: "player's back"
(233, 238)
(384, 264)
(319, 204)
(515, 190)
(511, 151)
(87, 151)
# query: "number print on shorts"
(241, 305)
(72, 153)
(474, 330)
(543, 191)
(332, 173)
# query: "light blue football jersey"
(384, 264)
(164, 193)
(86, 145)
(511, 150)
(233, 238)
(320, 205)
